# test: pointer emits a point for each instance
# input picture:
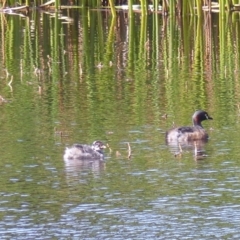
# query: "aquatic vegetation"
(180, 7)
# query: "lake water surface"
(58, 96)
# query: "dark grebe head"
(200, 116)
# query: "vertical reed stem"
(112, 6)
(172, 8)
(144, 7)
(130, 9)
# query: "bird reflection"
(76, 167)
(196, 147)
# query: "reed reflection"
(197, 147)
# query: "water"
(155, 194)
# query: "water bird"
(188, 134)
(84, 151)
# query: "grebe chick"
(84, 151)
(185, 134)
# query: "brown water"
(152, 195)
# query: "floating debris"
(165, 116)
(2, 99)
(129, 150)
(110, 150)
(10, 83)
(118, 154)
(100, 66)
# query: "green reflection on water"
(113, 81)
